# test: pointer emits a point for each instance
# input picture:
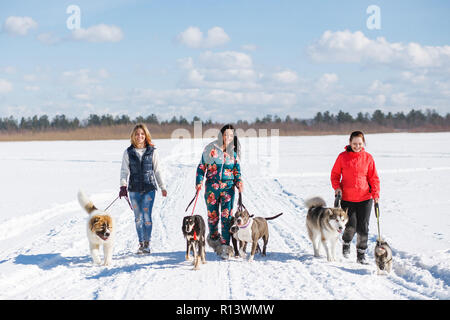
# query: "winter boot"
(346, 249)
(141, 248)
(361, 257)
(146, 247)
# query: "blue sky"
(223, 60)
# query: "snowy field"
(44, 250)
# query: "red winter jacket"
(360, 180)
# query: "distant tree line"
(410, 120)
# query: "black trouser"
(358, 221)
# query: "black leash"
(337, 200)
(240, 204)
(111, 203)
(377, 213)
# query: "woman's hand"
(123, 192)
(198, 187)
(240, 186)
(376, 200)
(164, 193)
(338, 191)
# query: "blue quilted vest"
(142, 178)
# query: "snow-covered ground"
(44, 250)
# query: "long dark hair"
(236, 144)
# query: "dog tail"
(274, 217)
(85, 202)
(315, 202)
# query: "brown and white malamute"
(324, 226)
(100, 230)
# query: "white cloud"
(355, 47)
(84, 77)
(378, 86)
(30, 77)
(48, 38)
(5, 86)
(326, 81)
(9, 70)
(249, 47)
(98, 33)
(216, 37)
(286, 76)
(32, 88)
(192, 37)
(226, 60)
(19, 26)
(229, 70)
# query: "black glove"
(123, 192)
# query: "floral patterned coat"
(222, 169)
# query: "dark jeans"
(358, 221)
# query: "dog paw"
(251, 259)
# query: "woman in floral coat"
(220, 163)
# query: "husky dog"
(383, 257)
(324, 225)
(222, 250)
(249, 230)
(100, 230)
(193, 229)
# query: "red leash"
(195, 198)
(195, 203)
(193, 209)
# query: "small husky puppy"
(324, 226)
(383, 257)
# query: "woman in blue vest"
(139, 177)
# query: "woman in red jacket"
(354, 176)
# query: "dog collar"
(245, 226)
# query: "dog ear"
(93, 222)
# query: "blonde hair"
(148, 137)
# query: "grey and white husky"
(383, 257)
(324, 226)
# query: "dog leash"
(240, 204)
(126, 198)
(111, 203)
(377, 213)
(195, 203)
(337, 200)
